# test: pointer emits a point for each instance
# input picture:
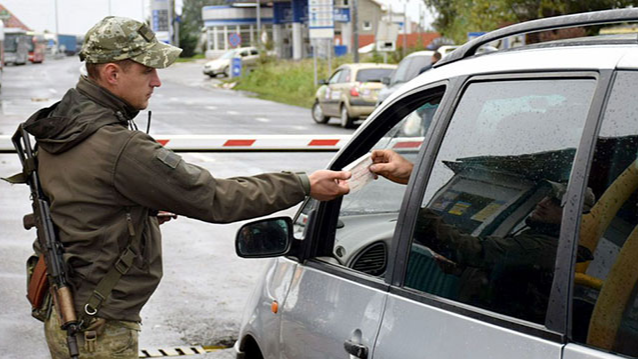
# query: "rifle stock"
(49, 242)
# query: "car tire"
(318, 114)
(346, 120)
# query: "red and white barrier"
(220, 143)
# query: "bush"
(286, 81)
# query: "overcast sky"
(77, 16)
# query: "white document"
(360, 174)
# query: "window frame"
(559, 307)
(322, 220)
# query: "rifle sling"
(111, 278)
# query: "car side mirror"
(322, 82)
(385, 80)
(271, 237)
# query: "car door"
(329, 101)
(334, 305)
(475, 261)
(604, 295)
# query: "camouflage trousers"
(112, 339)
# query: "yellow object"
(588, 281)
(594, 224)
(617, 289)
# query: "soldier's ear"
(111, 73)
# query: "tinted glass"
(605, 292)
(409, 68)
(10, 42)
(372, 75)
(488, 228)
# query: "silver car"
(515, 237)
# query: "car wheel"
(347, 121)
(318, 115)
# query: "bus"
(1, 51)
(16, 46)
(37, 47)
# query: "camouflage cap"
(119, 38)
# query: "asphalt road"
(205, 285)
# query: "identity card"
(360, 174)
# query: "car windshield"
(10, 43)
(409, 68)
(229, 54)
(372, 75)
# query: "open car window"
(368, 217)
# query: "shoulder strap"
(112, 277)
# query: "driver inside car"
(511, 274)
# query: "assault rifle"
(48, 241)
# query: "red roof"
(12, 20)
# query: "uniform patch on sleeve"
(167, 157)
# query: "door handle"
(356, 350)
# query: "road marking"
(300, 127)
(174, 99)
(53, 91)
(262, 119)
(232, 112)
(211, 107)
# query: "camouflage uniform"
(113, 339)
(106, 183)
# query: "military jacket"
(99, 175)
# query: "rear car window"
(605, 289)
(372, 75)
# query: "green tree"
(191, 24)
(458, 17)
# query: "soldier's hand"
(390, 164)
(164, 216)
(327, 185)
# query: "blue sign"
(235, 39)
(236, 67)
(342, 14)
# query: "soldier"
(106, 183)
(510, 274)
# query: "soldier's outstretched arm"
(327, 185)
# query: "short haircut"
(93, 70)
(437, 56)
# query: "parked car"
(407, 69)
(439, 267)
(222, 65)
(350, 93)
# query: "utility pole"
(355, 26)
(57, 30)
(404, 45)
(259, 24)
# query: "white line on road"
(53, 91)
(232, 112)
(300, 127)
(211, 107)
(262, 119)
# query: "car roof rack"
(584, 19)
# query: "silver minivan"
(515, 237)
